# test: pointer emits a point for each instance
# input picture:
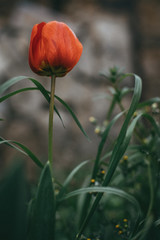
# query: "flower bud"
(54, 49)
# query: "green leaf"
(73, 115)
(16, 92)
(125, 91)
(13, 198)
(56, 110)
(14, 80)
(10, 83)
(153, 122)
(39, 86)
(148, 102)
(42, 215)
(108, 190)
(23, 149)
(70, 177)
(118, 151)
(102, 142)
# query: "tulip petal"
(54, 49)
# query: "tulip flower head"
(54, 49)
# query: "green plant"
(119, 198)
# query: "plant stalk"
(50, 127)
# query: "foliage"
(118, 198)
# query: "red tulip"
(54, 49)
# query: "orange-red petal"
(54, 49)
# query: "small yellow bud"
(103, 172)
(125, 220)
(135, 114)
(92, 119)
(125, 157)
(97, 130)
(120, 232)
(117, 226)
(92, 180)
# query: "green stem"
(111, 108)
(119, 100)
(50, 128)
(122, 108)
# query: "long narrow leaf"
(108, 190)
(153, 122)
(117, 148)
(70, 177)
(73, 115)
(10, 83)
(39, 86)
(42, 212)
(87, 198)
(102, 142)
(148, 102)
(117, 151)
(14, 80)
(23, 149)
(16, 92)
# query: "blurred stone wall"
(146, 23)
(107, 34)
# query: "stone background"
(115, 32)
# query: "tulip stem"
(50, 129)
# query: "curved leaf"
(102, 142)
(118, 151)
(23, 149)
(108, 190)
(39, 86)
(69, 178)
(16, 92)
(10, 83)
(73, 115)
(148, 102)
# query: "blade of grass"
(39, 86)
(148, 102)
(87, 198)
(16, 92)
(73, 115)
(10, 83)
(70, 177)
(102, 142)
(108, 190)
(15, 80)
(117, 151)
(23, 149)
